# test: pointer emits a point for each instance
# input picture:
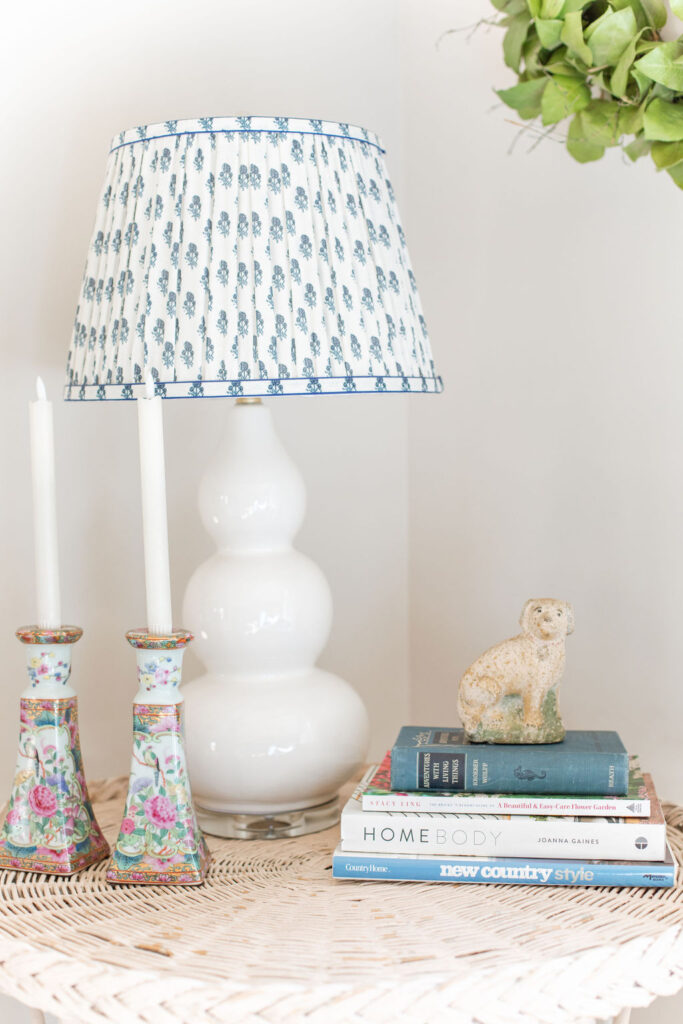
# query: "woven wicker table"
(273, 938)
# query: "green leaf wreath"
(603, 64)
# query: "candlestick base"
(159, 841)
(49, 826)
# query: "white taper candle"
(44, 510)
(154, 521)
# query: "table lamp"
(254, 257)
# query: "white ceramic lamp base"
(270, 737)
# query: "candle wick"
(40, 389)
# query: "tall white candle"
(154, 522)
(44, 510)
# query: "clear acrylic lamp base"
(285, 825)
(270, 738)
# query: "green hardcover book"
(585, 763)
(379, 796)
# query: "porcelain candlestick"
(159, 841)
(50, 827)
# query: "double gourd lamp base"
(250, 258)
(270, 737)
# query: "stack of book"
(441, 809)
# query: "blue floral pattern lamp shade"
(248, 256)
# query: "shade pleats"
(248, 256)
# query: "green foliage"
(677, 174)
(655, 13)
(572, 37)
(526, 97)
(601, 68)
(663, 121)
(578, 143)
(609, 36)
(667, 154)
(664, 65)
(549, 32)
(563, 96)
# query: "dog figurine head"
(547, 619)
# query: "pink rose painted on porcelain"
(167, 724)
(163, 862)
(160, 811)
(13, 817)
(58, 855)
(127, 826)
(43, 801)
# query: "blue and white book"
(514, 870)
(587, 763)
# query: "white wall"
(75, 75)
(548, 466)
(551, 465)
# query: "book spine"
(491, 768)
(451, 835)
(497, 870)
(454, 804)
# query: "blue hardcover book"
(515, 870)
(586, 763)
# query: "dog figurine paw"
(510, 693)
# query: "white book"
(499, 835)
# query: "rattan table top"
(272, 937)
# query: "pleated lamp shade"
(248, 256)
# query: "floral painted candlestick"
(50, 827)
(159, 841)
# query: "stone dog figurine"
(509, 694)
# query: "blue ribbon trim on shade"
(263, 394)
(261, 380)
(244, 131)
(258, 389)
